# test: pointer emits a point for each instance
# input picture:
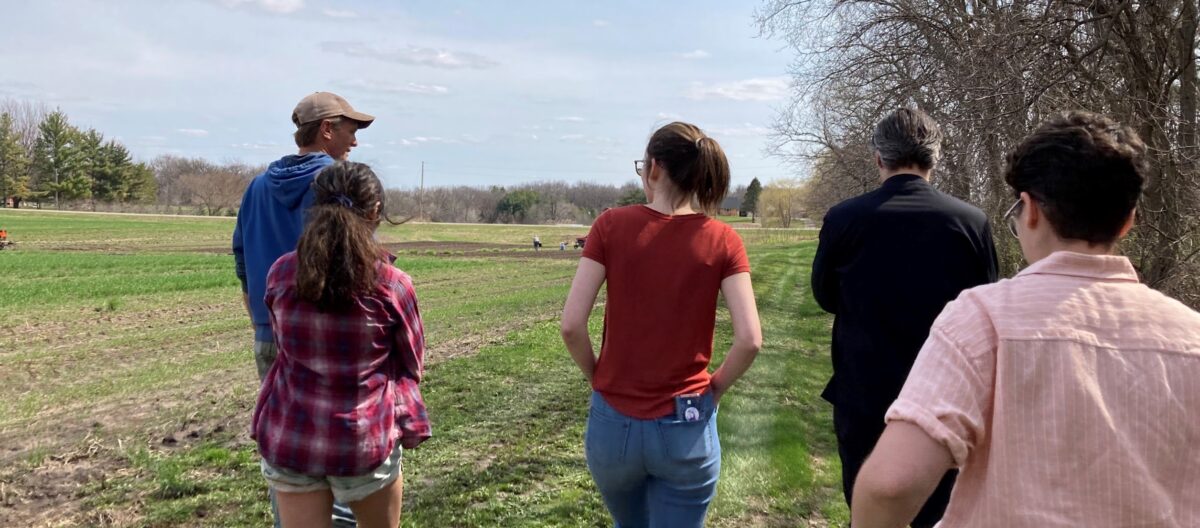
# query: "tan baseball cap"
(323, 105)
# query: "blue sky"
(486, 93)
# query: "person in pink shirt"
(1068, 395)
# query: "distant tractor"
(4, 241)
(580, 241)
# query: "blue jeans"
(654, 473)
(264, 356)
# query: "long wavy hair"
(338, 256)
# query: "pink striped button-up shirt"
(1067, 396)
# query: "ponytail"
(337, 253)
(695, 163)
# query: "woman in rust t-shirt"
(651, 441)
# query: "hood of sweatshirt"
(289, 177)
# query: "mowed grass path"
(507, 403)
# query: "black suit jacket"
(887, 263)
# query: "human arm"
(239, 259)
(584, 288)
(824, 274)
(747, 333)
(939, 419)
(898, 477)
(410, 333)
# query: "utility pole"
(421, 195)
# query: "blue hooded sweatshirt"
(269, 224)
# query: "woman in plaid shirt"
(341, 400)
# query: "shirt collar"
(1100, 267)
(901, 180)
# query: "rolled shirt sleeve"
(948, 393)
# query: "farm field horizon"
(127, 380)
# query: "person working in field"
(888, 261)
(341, 401)
(272, 212)
(651, 441)
(1068, 395)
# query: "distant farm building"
(731, 206)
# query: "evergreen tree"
(632, 195)
(750, 199)
(57, 163)
(114, 177)
(91, 159)
(516, 205)
(14, 178)
(141, 187)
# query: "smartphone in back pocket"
(688, 408)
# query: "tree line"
(47, 161)
(44, 158)
(989, 72)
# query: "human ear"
(1031, 211)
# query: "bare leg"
(382, 508)
(313, 509)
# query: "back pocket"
(605, 439)
(688, 441)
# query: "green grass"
(507, 445)
(82, 231)
(781, 453)
(44, 278)
(90, 332)
(207, 485)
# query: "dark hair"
(337, 253)
(695, 163)
(1085, 170)
(307, 133)
(907, 137)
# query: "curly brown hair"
(1085, 170)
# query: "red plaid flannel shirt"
(343, 389)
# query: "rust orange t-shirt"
(663, 275)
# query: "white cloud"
(194, 132)
(570, 119)
(273, 6)
(695, 55)
(599, 22)
(588, 140)
(758, 89)
(269, 145)
(412, 55)
(388, 87)
(423, 140)
(667, 116)
(339, 13)
(742, 130)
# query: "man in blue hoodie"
(271, 217)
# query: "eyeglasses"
(1010, 218)
(639, 166)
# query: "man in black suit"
(888, 262)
